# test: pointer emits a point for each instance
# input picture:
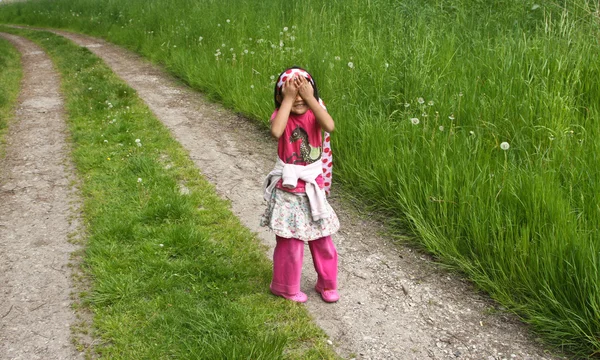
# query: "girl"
(298, 210)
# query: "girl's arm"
(279, 123)
(306, 91)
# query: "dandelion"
(218, 25)
(441, 128)
(228, 21)
(222, 45)
(200, 38)
(420, 101)
(406, 105)
(292, 38)
(89, 88)
(386, 65)
(285, 29)
(281, 44)
(251, 52)
(272, 46)
(414, 121)
(451, 117)
(161, 245)
(504, 146)
(351, 65)
(472, 133)
(139, 180)
(424, 115)
(231, 49)
(338, 58)
(430, 103)
(272, 77)
(251, 86)
(460, 94)
(245, 51)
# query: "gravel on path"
(38, 212)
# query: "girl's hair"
(277, 91)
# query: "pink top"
(300, 144)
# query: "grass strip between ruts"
(10, 80)
(173, 272)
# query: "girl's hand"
(289, 89)
(305, 89)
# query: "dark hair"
(278, 91)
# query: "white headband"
(290, 73)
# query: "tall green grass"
(173, 273)
(10, 84)
(522, 222)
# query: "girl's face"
(299, 106)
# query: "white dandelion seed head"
(228, 21)
(285, 29)
(406, 105)
(441, 128)
(504, 146)
(272, 77)
(223, 45)
(460, 94)
(386, 65)
(421, 100)
(338, 58)
(138, 141)
(218, 25)
(161, 245)
(451, 117)
(105, 141)
(139, 180)
(200, 38)
(430, 103)
(414, 121)
(251, 86)
(292, 38)
(472, 133)
(245, 51)
(351, 65)
(424, 115)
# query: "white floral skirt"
(288, 215)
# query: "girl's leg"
(287, 269)
(325, 259)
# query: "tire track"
(37, 210)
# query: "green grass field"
(10, 78)
(473, 123)
(174, 274)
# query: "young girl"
(298, 210)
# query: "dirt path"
(37, 210)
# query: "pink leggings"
(287, 264)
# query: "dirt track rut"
(38, 209)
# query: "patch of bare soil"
(38, 209)
(395, 303)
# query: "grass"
(174, 274)
(521, 222)
(10, 83)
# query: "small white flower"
(406, 105)
(472, 133)
(504, 146)
(251, 52)
(272, 46)
(292, 38)
(420, 101)
(222, 45)
(414, 121)
(138, 141)
(161, 245)
(430, 103)
(272, 77)
(251, 86)
(386, 65)
(228, 21)
(89, 88)
(451, 117)
(231, 49)
(351, 65)
(218, 25)
(338, 58)
(441, 128)
(139, 180)
(285, 29)
(106, 141)
(245, 51)
(200, 38)
(281, 44)
(424, 115)
(460, 94)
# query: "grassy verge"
(10, 83)
(423, 93)
(174, 274)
